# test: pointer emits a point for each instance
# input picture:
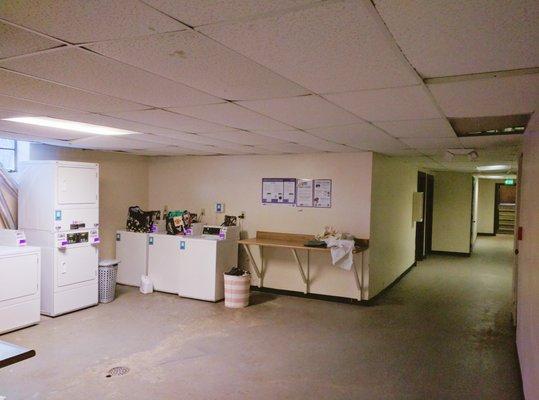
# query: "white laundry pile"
(341, 245)
(341, 252)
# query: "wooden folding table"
(296, 242)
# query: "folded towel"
(341, 252)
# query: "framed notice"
(322, 193)
(304, 193)
(279, 191)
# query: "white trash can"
(237, 290)
(108, 270)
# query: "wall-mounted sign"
(509, 182)
(304, 193)
(322, 193)
(278, 191)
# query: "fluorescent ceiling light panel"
(71, 125)
(493, 167)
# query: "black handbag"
(139, 220)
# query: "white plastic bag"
(146, 285)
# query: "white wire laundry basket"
(108, 270)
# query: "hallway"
(443, 332)
(461, 308)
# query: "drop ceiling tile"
(362, 136)
(432, 143)
(330, 47)
(442, 38)
(81, 21)
(488, 97)
(491, 141)
(403, 153)
(21, 107)
(232, 115)
(170, 120)
(26, 88)
(285, 148)
(302, 112)
(533, 124)
(307, 139)
(191, 58)
(16, 41)
(245, 138)
(196, 13)
(112, 143)
(427, 128)
(411, 102)
(295, 135)
(93, 72)
(171, 151)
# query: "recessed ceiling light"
(71, 125)
(493, 167)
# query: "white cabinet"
(132, 252)
(20, 269)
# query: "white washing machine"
(132, 252)
(203, 260)
(164, 261)
(59, 212)
(20, 269)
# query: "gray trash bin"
(108, 269)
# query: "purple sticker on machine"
(22, 242)
(96, 240)
(64, 243)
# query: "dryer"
(20, 269)
(59, 212)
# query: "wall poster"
(304, 193)
(278, 191)
(322, 193)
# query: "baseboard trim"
(485, 234)
(450, 253)
(377, 296)
(315, 296)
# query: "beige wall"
(528, 271)
(485, 217)
(199, 182)
(452, 212)
(392, 248)
(123, 181)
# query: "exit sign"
(509, 182)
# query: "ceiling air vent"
(487, 126)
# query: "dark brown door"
(429, 204)
(420, 226)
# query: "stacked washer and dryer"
(59, 212)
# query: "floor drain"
(117, 371)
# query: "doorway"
(423, 233)
(505, 209)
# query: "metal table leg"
(305, 280)
(253, 263)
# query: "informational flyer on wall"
(278, 191)
(322, 193)
(304, 193)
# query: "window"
(8, 154)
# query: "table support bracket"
(253, 263)
(298, 261)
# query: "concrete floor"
(443, 332)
